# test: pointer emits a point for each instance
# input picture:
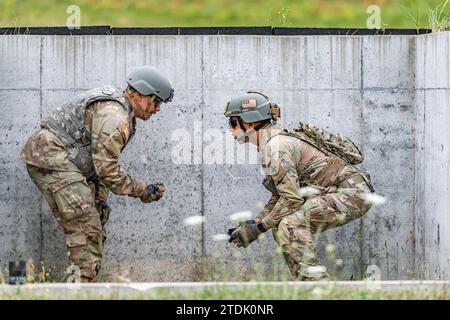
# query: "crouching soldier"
(311, 174)
(74, 160)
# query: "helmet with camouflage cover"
(249, 108)
(252, 107)
(147, 81)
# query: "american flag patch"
(248, 103)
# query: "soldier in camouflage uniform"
(74, 160)
(296, 162)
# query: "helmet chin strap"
(248, 133)
(146, 115)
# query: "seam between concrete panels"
(202, 175)
(363, 127)
(414, 94)
(331, 61)
(424, 230)
(420, 258)
(41, 240)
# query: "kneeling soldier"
(297, 163)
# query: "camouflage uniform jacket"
(291, 164)
(111, 128)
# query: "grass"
(286, 13)
(266, 292)
(439, 18)
(220, 267)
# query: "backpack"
(327, 142)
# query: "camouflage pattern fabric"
(329, 143)
(68, 123)
(71, 201)
(292, 164)
(110, 132)
(70, 195)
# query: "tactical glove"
(104, 210)
(246, 233)
(243, 223)
(154, 192)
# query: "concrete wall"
(433, 156)
(365, 87)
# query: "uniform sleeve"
(280, 163)
(269, 206)
(101, 192)
(110, 134)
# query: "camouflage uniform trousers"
(71, 200)
(294, 233)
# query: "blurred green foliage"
(260, 292)
(183, 13)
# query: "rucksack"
(327, 142)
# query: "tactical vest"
(67, 123)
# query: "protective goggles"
(233, 122)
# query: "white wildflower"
(241, 216)
(260, 205)
(339, 262)
(194, 220)
(122, 279)
(329, 248)
(314, 270)
(220, 237)
(317, 292)
(374, 199)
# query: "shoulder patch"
(115, 143)
(113, 117)
(125, 130)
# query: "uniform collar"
(128, 105)
(268, 132)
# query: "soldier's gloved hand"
(104, 210)
(154, 192)
(246, 234)
(246, 222)
(242, 223)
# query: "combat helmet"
(147, 81)
(251, 107)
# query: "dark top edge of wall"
(107, 30)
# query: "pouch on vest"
(81, 156)
(269, 184)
